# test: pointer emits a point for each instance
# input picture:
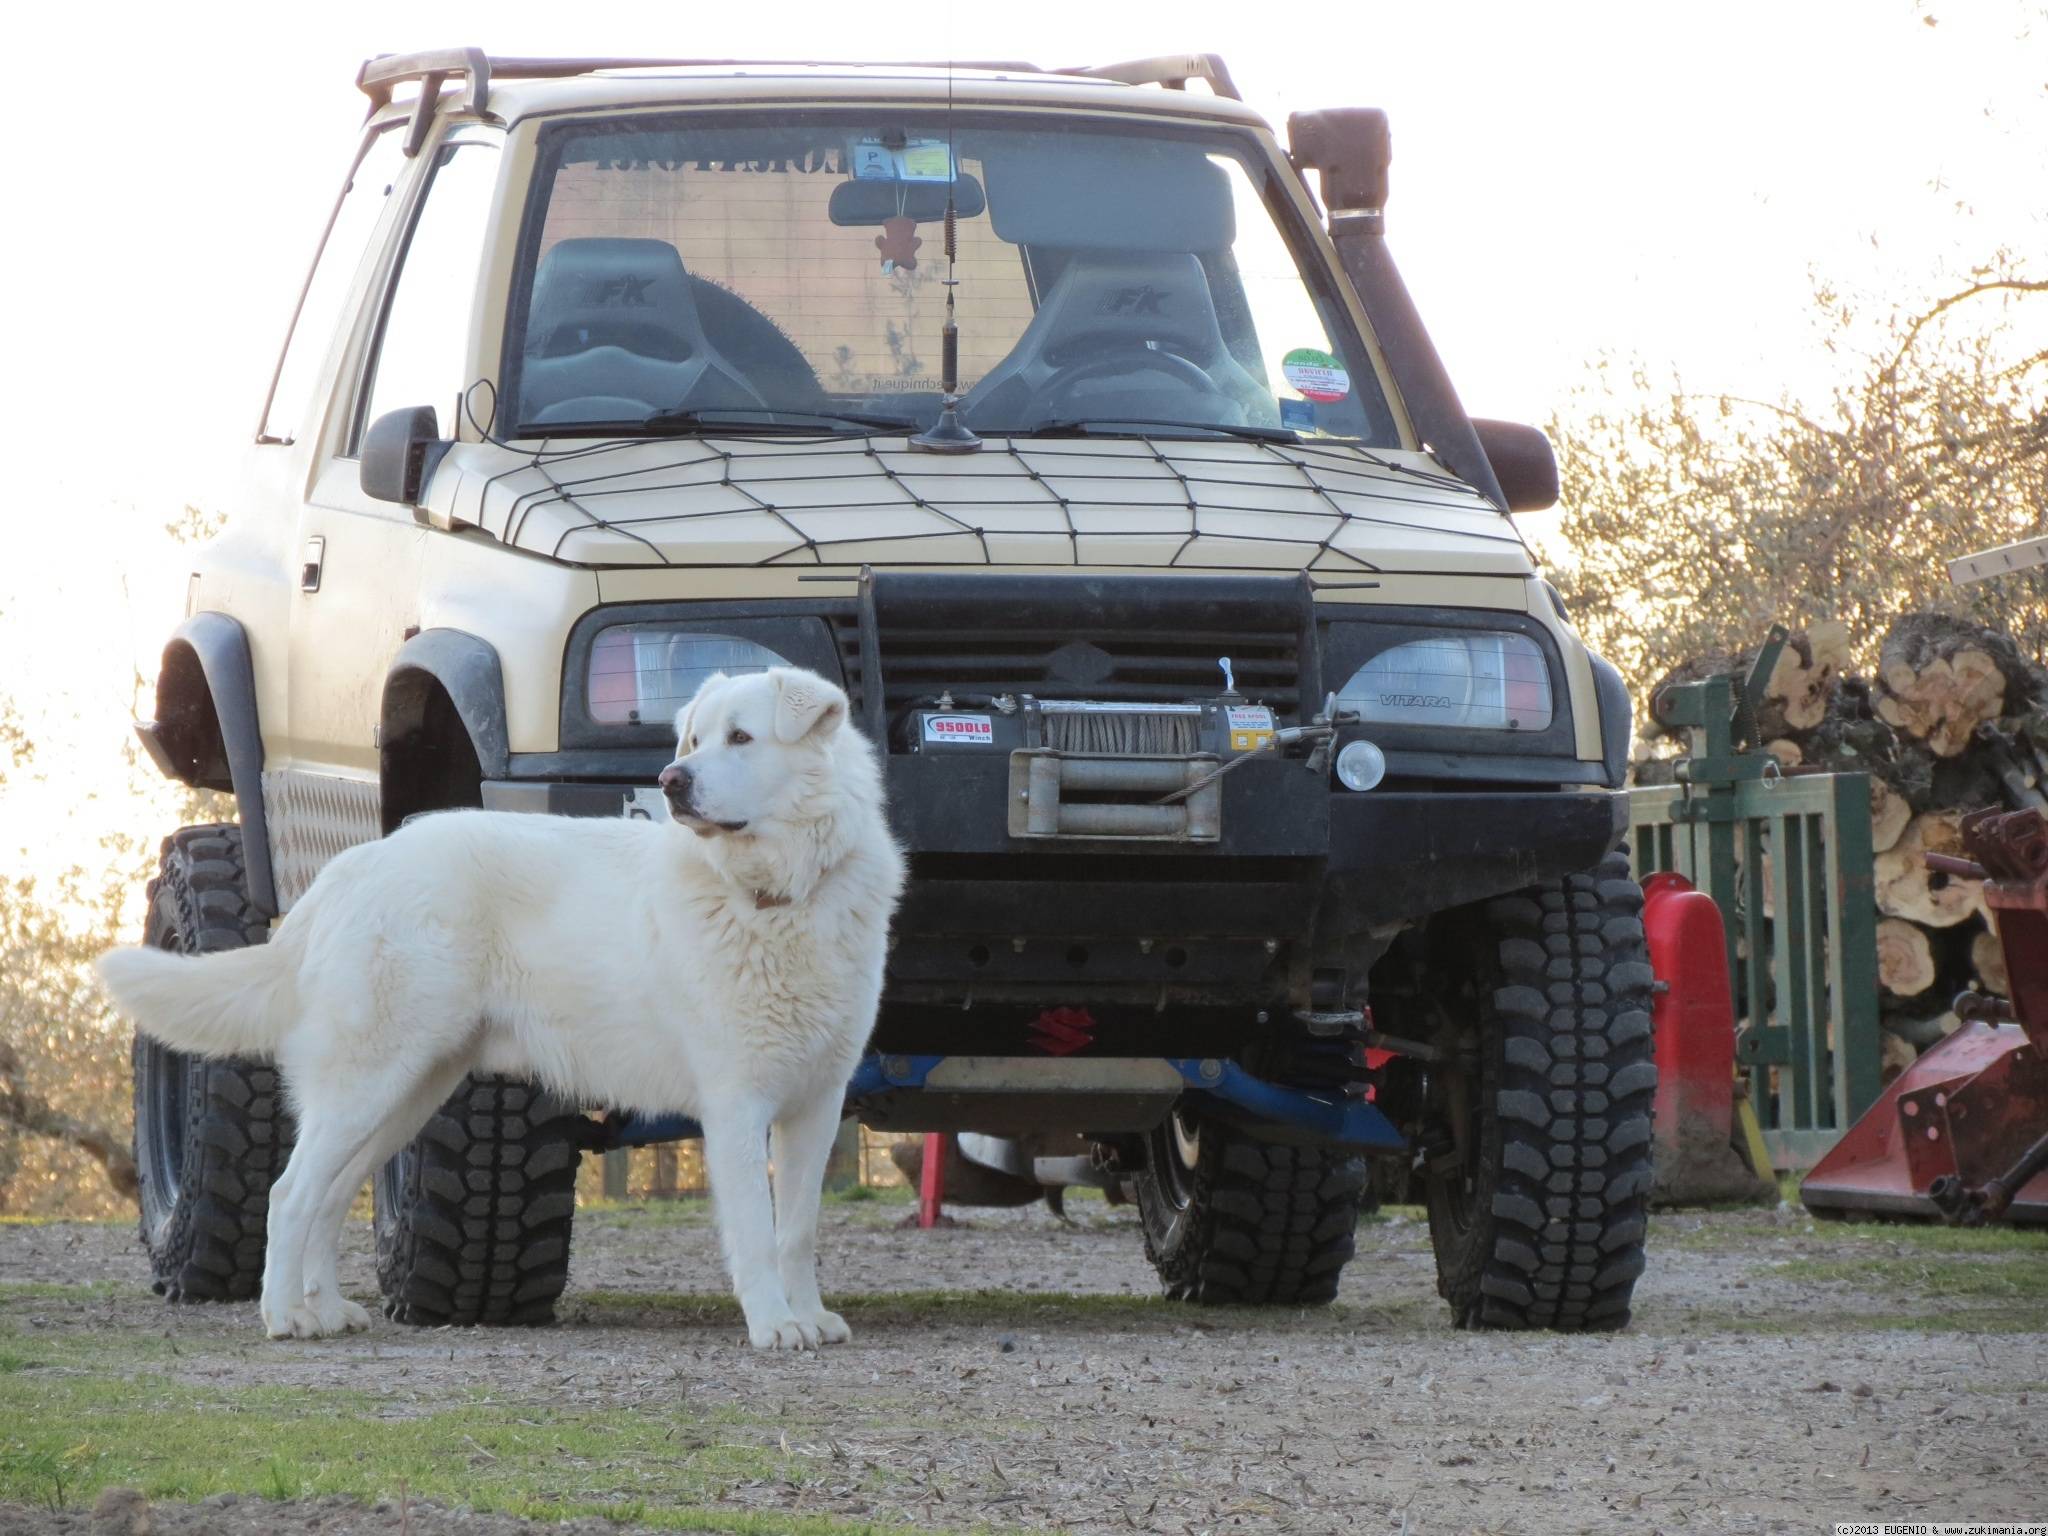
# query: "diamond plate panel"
(312, 817)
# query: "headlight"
(1483, 681)
(641, 674)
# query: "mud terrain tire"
(210, 1135)
(1230, 1218)
(1546, 1228)
(474, 1215)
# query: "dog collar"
(763, 901)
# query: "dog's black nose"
(675, 781)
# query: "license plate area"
(1066, 796)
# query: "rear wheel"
(1232, 1218)
(211, 1136)
(1538, 1171)
(474, 1214)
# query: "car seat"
(1111, 304)
(613, 333)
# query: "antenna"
(948, 434)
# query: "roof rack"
(1172, 70)
(380, 76)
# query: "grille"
(1118, 666)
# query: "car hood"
(765, 501)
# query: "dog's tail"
(235, 1002)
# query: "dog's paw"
(782, 1333)
(354, 1319)
(323, 1318)
(830, 1326)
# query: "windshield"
(742, 274)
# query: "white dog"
(732, 975)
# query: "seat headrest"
(615, 292)
(1158, 297)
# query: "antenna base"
(947, 435)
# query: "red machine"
(1962, 1134)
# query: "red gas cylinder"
(1694, 1020)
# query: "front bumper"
(1294, 859)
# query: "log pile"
(1954, 719)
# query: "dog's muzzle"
(679, 788)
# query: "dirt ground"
(1018, 1373)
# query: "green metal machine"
(1786, 856)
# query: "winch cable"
(1287, 736)
(1145, 735)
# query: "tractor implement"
(1962, 1134)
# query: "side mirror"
(1351, 147)
(399, 454)
(1522, 463)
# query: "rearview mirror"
(399, 454)
(879, 199)
(1522, 462)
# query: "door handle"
(309, 572)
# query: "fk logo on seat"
(621, 292)
(1141, 300)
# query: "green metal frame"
(1798, 847)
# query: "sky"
(1643, 180)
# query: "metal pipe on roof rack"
(378, 75)
(1173, 70)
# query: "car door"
(360, 558)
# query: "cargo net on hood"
(849, 499)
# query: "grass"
(671, 1466)
(1982, 1276)
(1699, 1322)
(43, 1290)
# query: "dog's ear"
(688, 712)
(804, 703)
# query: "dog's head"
(755, 750)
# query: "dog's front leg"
(803, 1145)
(736, 1160)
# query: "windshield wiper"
(1138, 426)
(735, 419)
(748, 418)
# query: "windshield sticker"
(1298, 415)
(913, 160)
(1316, 374)
(967, 730)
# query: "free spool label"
(1317, 374)
(1250, 726)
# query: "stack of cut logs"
(1955, 719)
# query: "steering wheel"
(1125, 359)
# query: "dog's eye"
(737, 738)
(694, 743)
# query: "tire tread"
(1559, 1242)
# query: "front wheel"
(1538, 1166)
(1232, 1218)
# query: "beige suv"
(1261, 803)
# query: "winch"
(1117, 771)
